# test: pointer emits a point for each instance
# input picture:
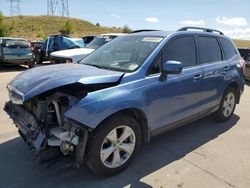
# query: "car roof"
(11, 38)
(113, 34)
(152, 33)
(88, 36)
(167, 33)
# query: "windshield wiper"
(93, 65)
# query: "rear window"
(15, 44)
(228, 48)
(209, 50)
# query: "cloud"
(238, 33)
(235, 21)
(193, 22)
(151, 20)
(114, 16)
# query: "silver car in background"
(15, 51)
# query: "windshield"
(72, 43)
(80, 42)
(11, 43)
(123, 53)
(99, 41)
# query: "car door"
(214, 68)
(177, 98)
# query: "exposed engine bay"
(41, 123)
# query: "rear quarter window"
(209, 50)
(228, 48)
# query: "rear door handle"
(226, 68)
(197, 77)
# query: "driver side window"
(181, 49)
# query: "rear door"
(214, 69)
(178, 97)
(16, 49)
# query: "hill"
(39, 27)
(242, 43)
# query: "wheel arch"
(139, 116)
(236, 87)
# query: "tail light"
(69, 61)
(243, 64)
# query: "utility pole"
(58, 7)
(15, 9)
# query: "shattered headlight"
(15, 96)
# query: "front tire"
(227, 106)
(113, 145)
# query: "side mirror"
(170, 67)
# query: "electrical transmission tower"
(58, 6)
(15, 8)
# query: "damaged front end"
(40, 122)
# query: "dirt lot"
(203, 154)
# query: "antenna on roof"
(15, 9)
(58, 6)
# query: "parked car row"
(20, 51)
(75, 55)
(103, 108)
(55, 43)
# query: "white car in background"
(77, 54)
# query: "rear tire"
(113, 145)
(38, 58)
(32, 65)
(227, 106)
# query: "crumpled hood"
(39, 80)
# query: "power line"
(15, 9)
(58, 7)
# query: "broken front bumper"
(35, 137)
(27, 125)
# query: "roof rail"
(202, 29)
(143, 30)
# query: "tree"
(3, 27)
(67, 28)
(98, 24)
(126, 29)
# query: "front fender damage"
(42, 124)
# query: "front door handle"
(197, 77)
(226, 68)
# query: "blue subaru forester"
(136, 86)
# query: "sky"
(230, 16)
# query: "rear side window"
(228, 48)
(181, 49)
(209, 50)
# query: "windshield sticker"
(152, 39)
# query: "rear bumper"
(18, 61)
(24, 60)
